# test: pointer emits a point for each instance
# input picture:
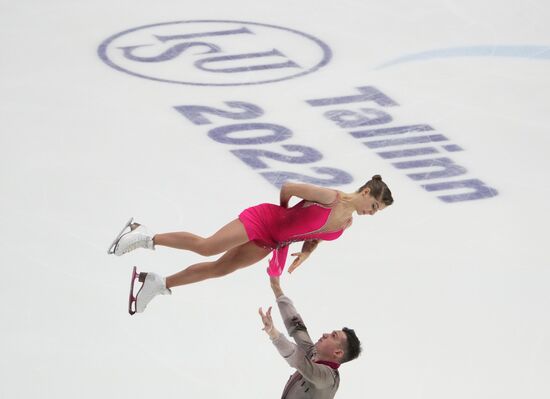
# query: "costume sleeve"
(294, 324)
(320, 375)
(277, 261)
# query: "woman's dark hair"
(378, 189)
(353, 348)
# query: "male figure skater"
(316, 365)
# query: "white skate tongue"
(165, 291)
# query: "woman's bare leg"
(236, 258)
(229, 236)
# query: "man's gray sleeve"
(294, 324)
(320, 375)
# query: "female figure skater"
(323, 214)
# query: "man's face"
(331, 345)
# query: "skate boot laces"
(139, 237)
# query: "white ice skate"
(137, 237)
(152, 285)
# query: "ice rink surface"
(448, 289)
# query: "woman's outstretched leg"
(153, 284)
(236, 258)
(229, 236)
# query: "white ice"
(450, 300)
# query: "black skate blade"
(132, 298)
(112, 247)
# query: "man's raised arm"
(293, 321)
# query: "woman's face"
(368, 204)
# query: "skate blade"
(132, 298)
(112, 247)
(141, 278)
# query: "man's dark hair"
(353, 348)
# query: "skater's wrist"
(278, 292)
(275, 286)
(273, 333)
(309, 246)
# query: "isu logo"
(214, 53)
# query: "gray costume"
(311, 380)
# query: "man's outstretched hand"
(268, 323)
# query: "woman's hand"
(284, 196)
(300, 258)
(307, 248)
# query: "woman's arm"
(308, 192)
(310, 245)
(307, 248)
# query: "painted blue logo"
(214, 53)
(530, 52)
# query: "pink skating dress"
(272, 226)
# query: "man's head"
(339, 346)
